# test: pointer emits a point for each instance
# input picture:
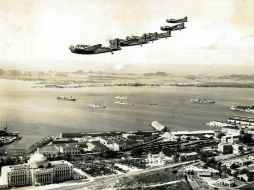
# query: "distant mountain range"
(115, 75)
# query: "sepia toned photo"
(127, 94)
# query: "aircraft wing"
(128, 41)
(92, 48)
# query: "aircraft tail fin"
(182, 25)
(145, 38)
(114, 43)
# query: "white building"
(37, 171)
(109, 143)
(230, 139)
(69, 149)
(158, 159)
(231, 132)
(237, 148)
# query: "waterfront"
(36, 113)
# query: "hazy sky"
(37, 34)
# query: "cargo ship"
(66, 98)
(202, 101)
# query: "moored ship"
(66, 98)
(95, 106)
(202, 101)
(7, 137)
(121, 102)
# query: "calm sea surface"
(36, 113)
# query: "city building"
(188, 156)
(229, 182)
(49, 150)
(225, 148)
(37, 171)
(69, 148)
(96, 146)
(230, 139)
(116, 143)
(158, 159)
(238, 148)
(110, 143)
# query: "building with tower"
(38, 171)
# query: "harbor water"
(36, 113)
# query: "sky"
(36, 34)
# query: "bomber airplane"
(95, 49)
(134, 40)
(172, 28)
(164, 34)
(185, 19)
(152, 36)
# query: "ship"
(95, 106)
(7, 137)
(202, 101)
(5, 132)
(121, 97)
(121, 102)
(66, 98)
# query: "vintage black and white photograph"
(127, 94)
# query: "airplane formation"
(116, 44)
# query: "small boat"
(121, 97)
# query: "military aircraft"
(134, 40)
(152, 36)
(172, 28)
(95, 49)
(164, 34)
(177, 20)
